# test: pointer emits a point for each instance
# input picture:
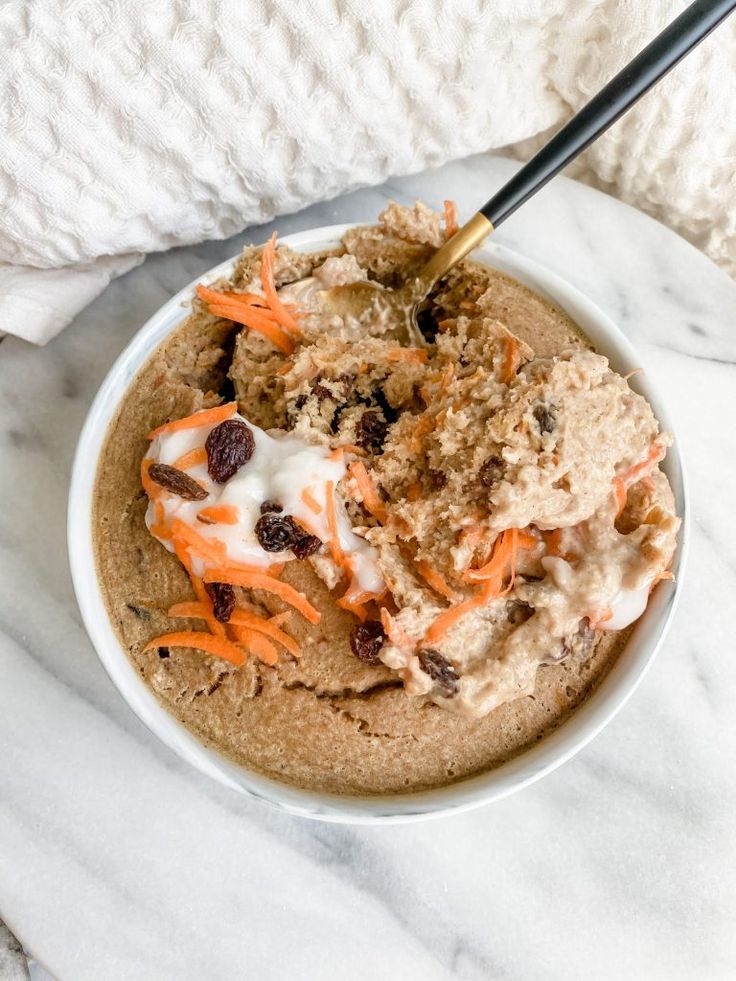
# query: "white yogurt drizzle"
(626, 606)
(280, 470)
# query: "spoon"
(613, 100)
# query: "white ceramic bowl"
(541, 758)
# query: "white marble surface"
(117, 861)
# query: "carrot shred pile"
(490, 576)
(267, 314)
(201, 641)
(256, 580)
(256, 643)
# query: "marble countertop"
(118, 861)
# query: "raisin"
(491, 471)
(140, 611)
(546, 416)
(366, 641)
(306, 545)
(177, 482)
(439, 670)
(268, 506)
(222, 595)
(276, 532)
(228, 446)
(427, 323)
(371, 431)
(390, 413)
(164, 652)
(321, 393)
(517, 612)
(580, 643)
(300, 401)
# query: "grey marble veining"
(118, 861)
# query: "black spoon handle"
(631, 83)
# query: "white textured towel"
(129, 127)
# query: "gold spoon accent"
(613, 100)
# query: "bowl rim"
(556, 748)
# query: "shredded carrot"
(619, 492)
(311, 502)
(527, 540)
(447, 376)
(413, 355)
(351, 448)
(437, 581)
(424, 425)
(256, 643)
(222, 296)
(354, 606)
(268, 258)
(597, 619)
(394, 632)
(553, 542)
(254, 580)
(509, 363)
(368, 491)
(639, 470)
(180, 550)
(208, 549)
(152, 489)
(194, 610)
(495, 568)
(254, 319)
(336, 551)
(199, 640)
(356, 603)
(242, 618)
(450, 218)
(191, 459)
(206, 417)
(220, 514)
(445, 620)
(337, 454)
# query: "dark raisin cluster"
(276, 532)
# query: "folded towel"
(134, 127)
